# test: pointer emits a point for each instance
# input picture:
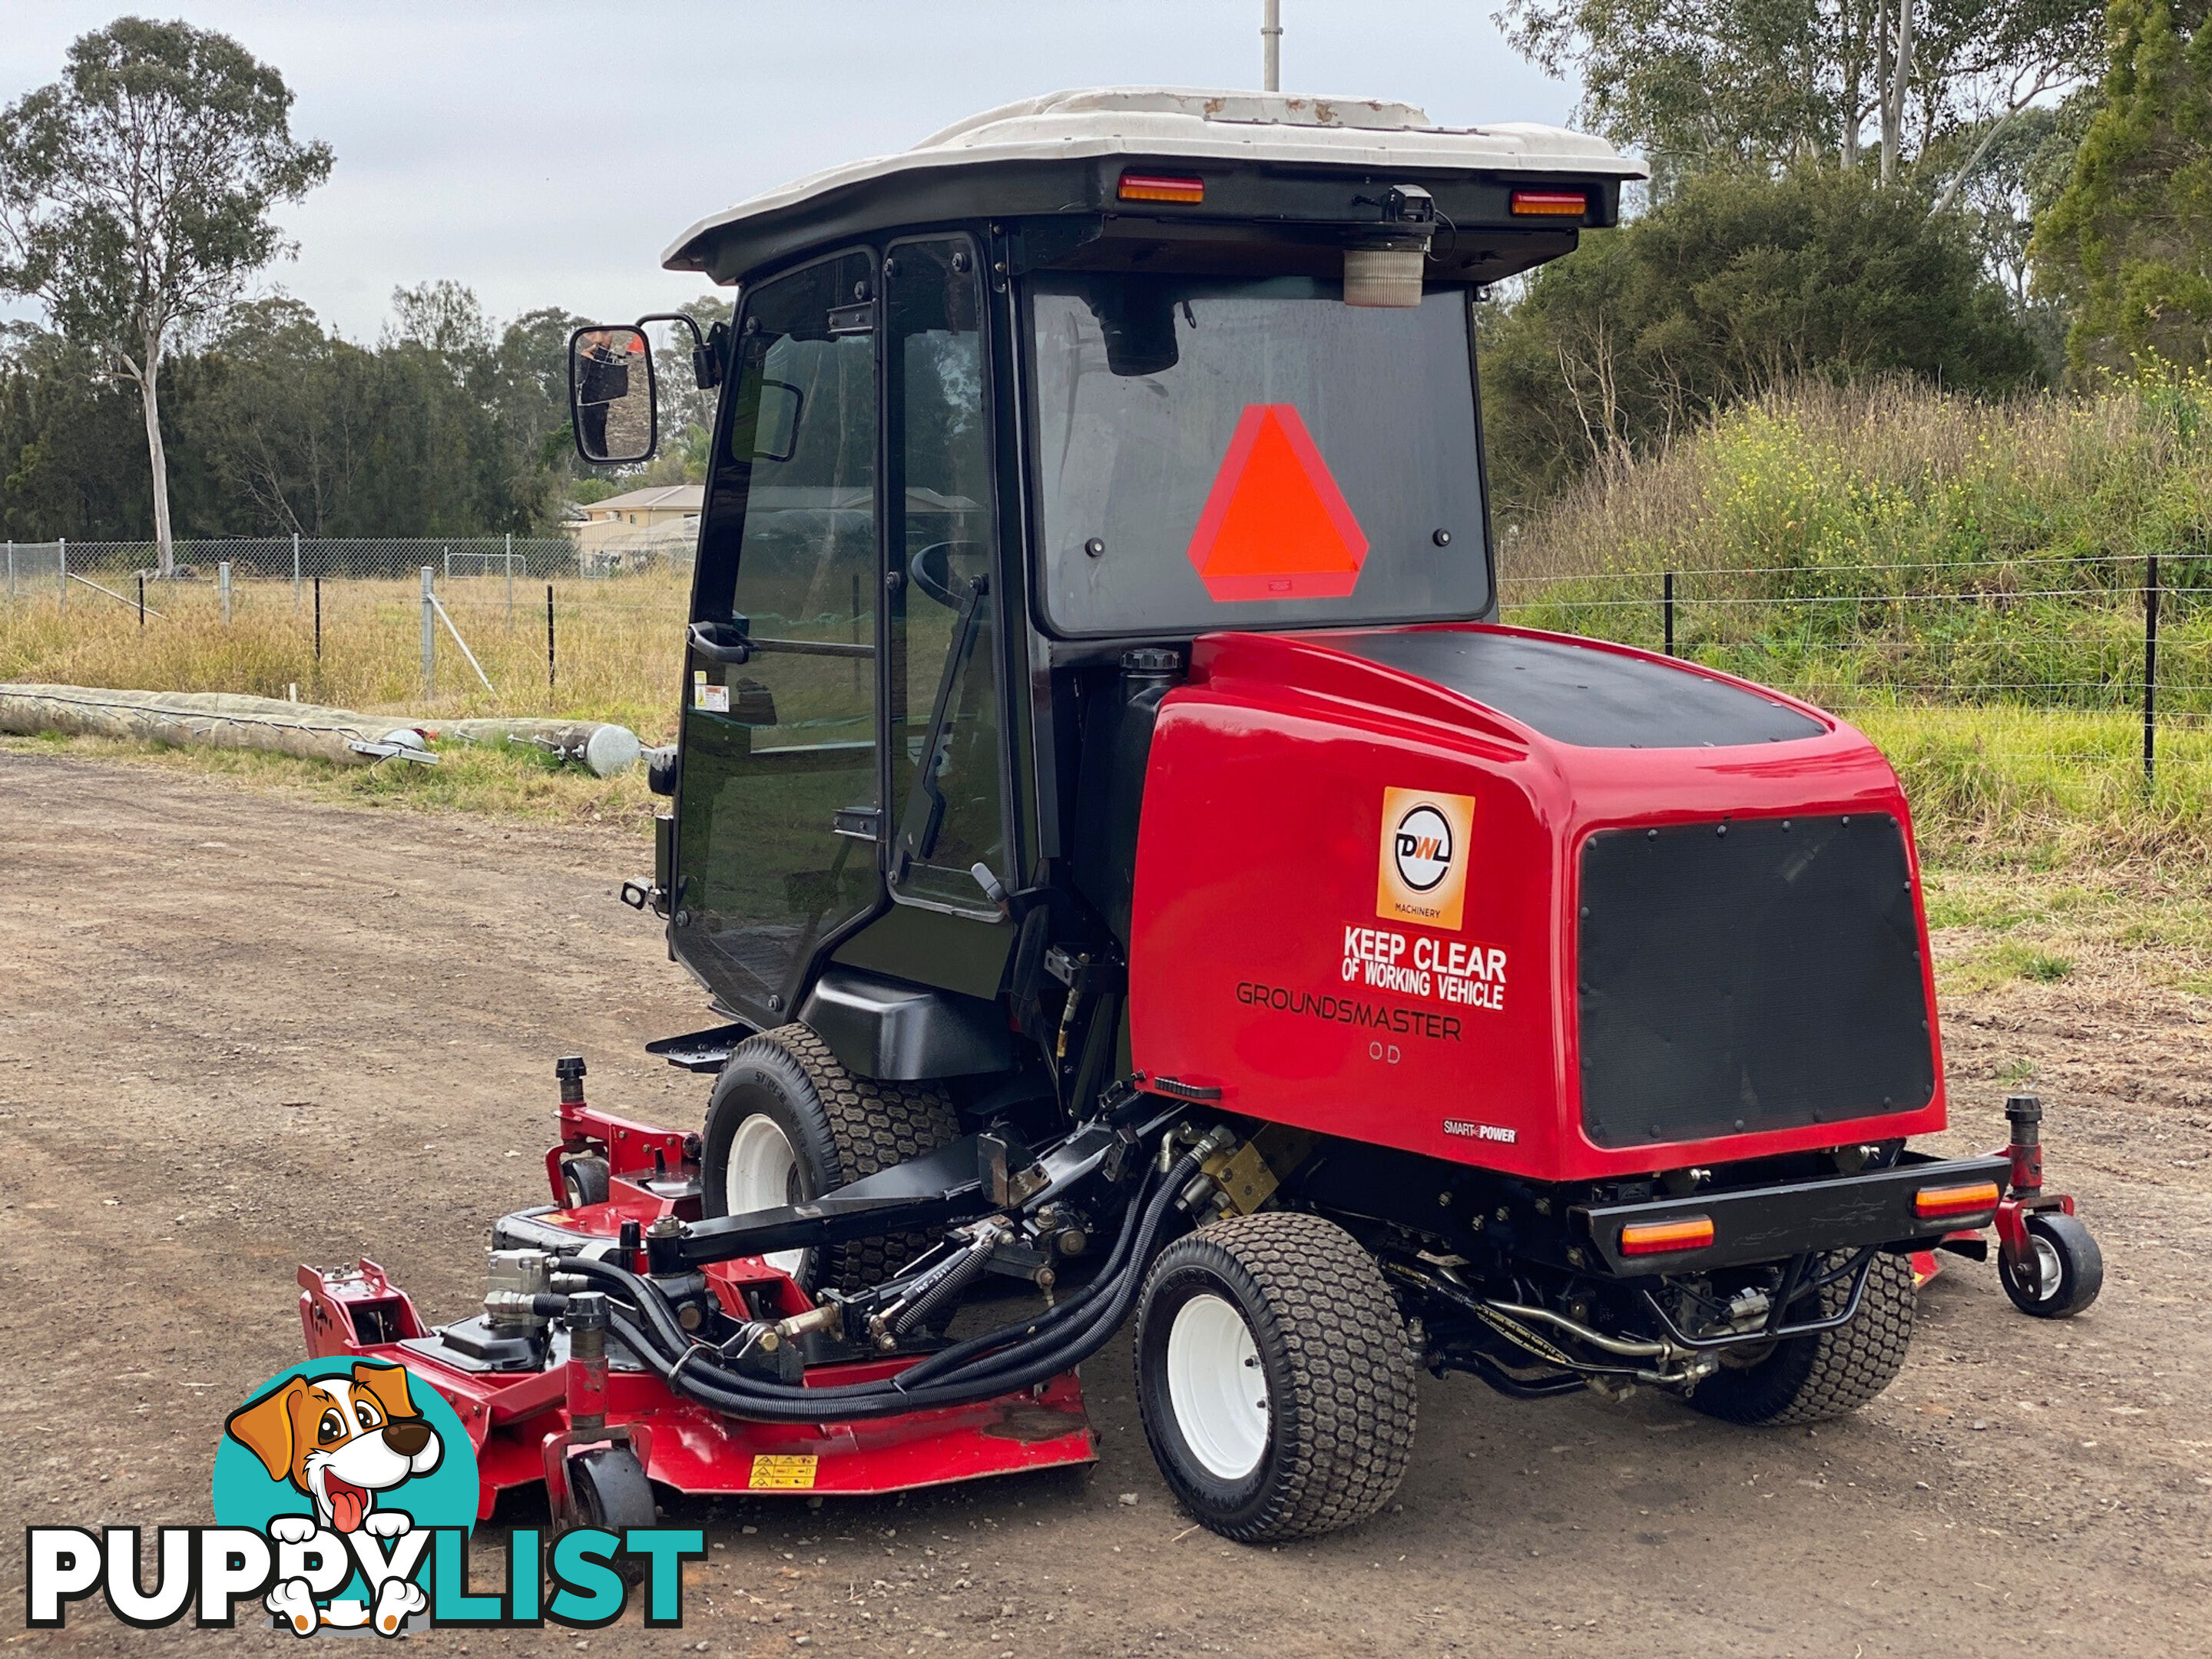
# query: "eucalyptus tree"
(135, 199)
(1777, 83)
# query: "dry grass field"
(618, 644)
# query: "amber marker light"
(1163, 187)
(1560, 204)
(1689, 1232)
(1932, 1203)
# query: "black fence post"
(548, 633)
(319, 619)
(142, 598)
(2151, 667)
(1669, 608)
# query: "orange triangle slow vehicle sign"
(1275, 525)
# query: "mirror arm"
(697, 339)
(706, 364)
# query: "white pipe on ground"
(223, 720)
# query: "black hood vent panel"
(1756, 974)
(1576, 694)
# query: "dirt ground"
(238, 1032)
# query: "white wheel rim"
(1218, 1388)
(760, 1176)
(2050, 1271)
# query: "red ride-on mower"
(1134, 871)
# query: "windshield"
(1220, 454)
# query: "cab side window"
(946, 797)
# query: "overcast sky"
(545, 152)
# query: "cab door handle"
(706, 639)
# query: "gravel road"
(238, 1032)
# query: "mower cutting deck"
(550, 1404)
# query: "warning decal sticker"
(1275, 525)
(773, 1473)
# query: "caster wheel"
(584, 1181)
(2069, 1268)
(613, 1495)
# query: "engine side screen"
(1759, 974)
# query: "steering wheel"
(930, 570)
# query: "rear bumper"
(1771, 1224)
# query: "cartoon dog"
(341, 1440)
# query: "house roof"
(1015, 160)
(669, 498)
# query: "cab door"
(947, 805)
(780, 808)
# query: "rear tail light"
(1689, 1232)
(1941, 1203)
(1163, 187)
(1562, 203)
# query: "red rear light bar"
(1689, 1232)
(1560, 204)
(1943, 1203)
(1163, 187)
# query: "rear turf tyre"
(786, 1122)
(1809, 1379)
(2070, 1268)
(1274, 1377)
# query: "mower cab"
(1135, 872)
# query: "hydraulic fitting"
(569, 1069)
(829, 1317)
(662, 1240)
(2024, 1113)
(513, 1284)
(586, 1320)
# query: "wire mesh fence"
(530, 625)
(2125, 638)
(2112, 656)
(301, 559)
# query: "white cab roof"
(1201, 126)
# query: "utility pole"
(1271, 46)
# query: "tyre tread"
(1350, 1422)
(873, 1126)
(1832, 1374)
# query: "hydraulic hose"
(1052, 1318)
(1033, 1361)
(648, 1301)
(1035, 1356)
(1091, 1331)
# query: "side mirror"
(611, 402)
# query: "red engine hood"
(1265, 884)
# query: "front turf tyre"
(2069, 1268)
(786, 1122)
(1809, 1379)
(1274, 1377)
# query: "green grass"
(1890, 544)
